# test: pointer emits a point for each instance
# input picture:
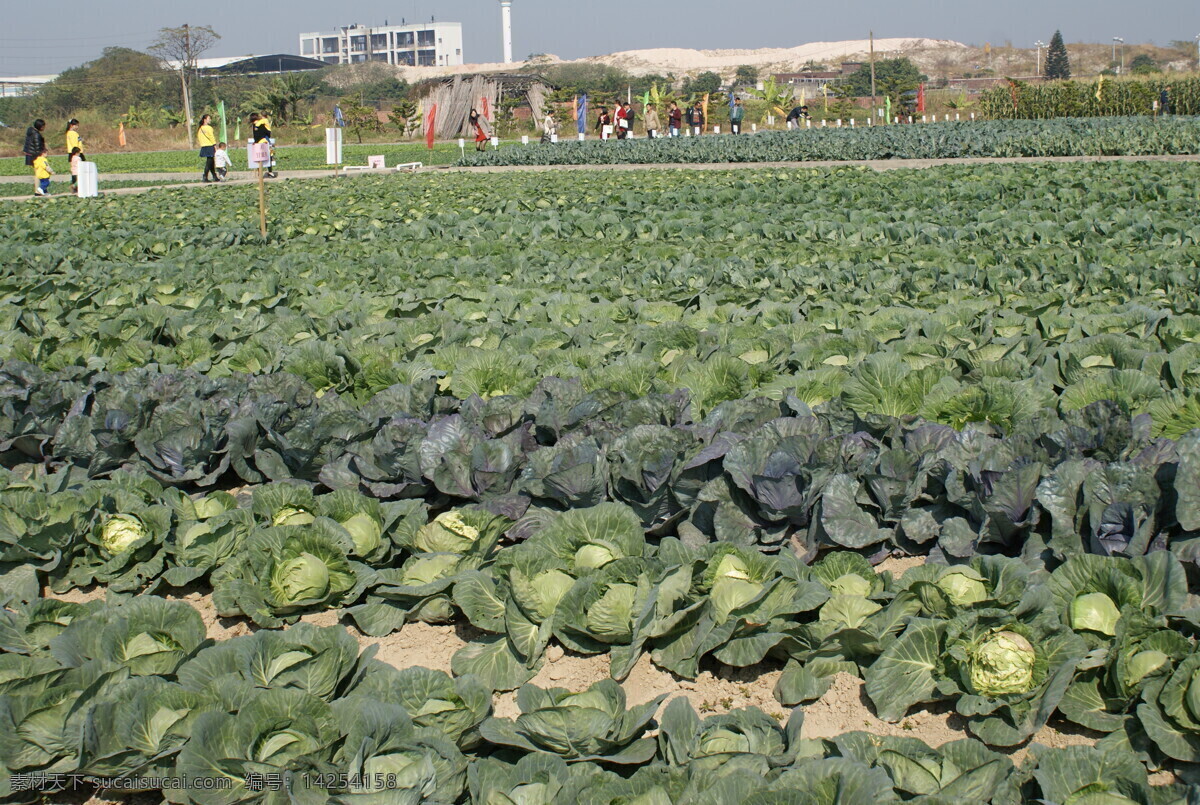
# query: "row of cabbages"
(132, 689)
(755, 472)
(1106, 641)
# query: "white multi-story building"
(433, 44)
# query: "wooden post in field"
(260, 155)
(262, 203)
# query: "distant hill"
(682, 61)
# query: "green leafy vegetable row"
(1061, 137)
(1008, 639)
(132, 688)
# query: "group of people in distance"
(622, 123)
(215, 155)
(217, 163)
(37, 155)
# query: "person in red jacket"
(624, 120)
(675, 119)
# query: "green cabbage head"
(193, 533)
(428, 569)
(611, 617)
(963, 587)
(406, 770)
(541, 594)
(850, 584)
(1001, 664)
(289, 515)
(1192, 698)
(300, 579)
(1142, 664)
(365, 532)
(120, 533)
(1099, 798)
(731, 586)
(448, 533)
(724, 741)
(593, 557)
(1095, 612)
(207, 507)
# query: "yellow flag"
(705, 112)
(1099, 87)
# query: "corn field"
(1106, 97)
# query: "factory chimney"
(506, 21)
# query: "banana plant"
(775, 94)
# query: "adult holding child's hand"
(206, 138)
(35, 144)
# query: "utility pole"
(872, 76)
(1039, 45)
(183, 69)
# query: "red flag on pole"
(575, 108)
(486, 112)
(432, 121)
(121, 134)
(921, 98)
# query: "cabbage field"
(929, 436)
(1059, 137)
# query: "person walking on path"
(736, 115)
(549, 128)
(1164, 101)
(481, 136)
(73, 139)
(42, 172)
(206, 138)
(675, 119)
(35, 144)
(651, 122)
(224, 163)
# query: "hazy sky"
(37, 38)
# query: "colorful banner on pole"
(487, 113)
(921, 98)
(121, 134)
(224, 124)
(432, 122)
(582, 116)
(704, 128)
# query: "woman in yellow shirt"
(73, 139)
(206, 138)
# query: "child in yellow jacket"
(42, 172)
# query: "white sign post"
(333, 148)
(524, 139)
(259, 157)
(462, 146)
(253, 153)
(89, 180)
